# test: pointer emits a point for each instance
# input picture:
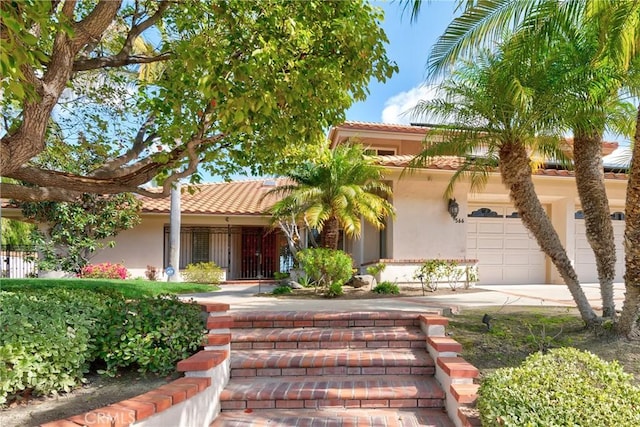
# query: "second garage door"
(585, 263)
(506, 252)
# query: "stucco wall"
(423, 228)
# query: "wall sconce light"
(454, 209)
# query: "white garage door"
(585, 262)
(506, 252)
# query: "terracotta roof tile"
(386, 127)
(607, 146)
(452, 163)
(225, 198)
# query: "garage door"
(585, 262)
(506, 252)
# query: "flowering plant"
(105, 270)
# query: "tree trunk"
(516, 175)
(587, 156)
(628, 324)
(330, 234)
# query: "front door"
(259, 254)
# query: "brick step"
(399, 391)
(313, 338)
(324, 319)
(388, 361)
(333, 417)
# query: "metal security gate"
(18, 261)
(245, 252)
(259, 254)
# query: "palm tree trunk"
(330, 234)
(628, 325)
(587, 157)
(516, 175)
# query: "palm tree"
(603, 36)
(629, 322)
(500, 105)
(336, 191)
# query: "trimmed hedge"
(566, 387)
(49, 339)
(151, 334)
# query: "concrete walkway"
(243, 297)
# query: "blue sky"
(409, 46)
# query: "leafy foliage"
(376, 269)
(51, 337)
(329, 269)
(386, 288)
(281, 290)
(564, 387)
(104, 270)
(16, 233)
(75, 231)
(48, 339)
(228, 84)
(203, 272)
(151, 334)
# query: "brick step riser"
(292, 372)
(310, 345)
(233, 405)
(286, 324)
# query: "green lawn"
(517, 332)
(131, 289)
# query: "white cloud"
(397, 109)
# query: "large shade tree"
(166, 86)
(601, 38)
(499, 105)
(337, 189)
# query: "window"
(380, 151)
(200, 247)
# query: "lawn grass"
(516, 332)
(131, 289)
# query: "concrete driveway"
(243, 297)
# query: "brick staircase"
(337, 369)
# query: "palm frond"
(481, 24)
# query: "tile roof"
(607, 146)
(224, 198)
(385, 127)
(453, 163)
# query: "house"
(226, 222)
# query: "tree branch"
(57, 185)
(124, 57)
(117, 61)
(139, 144)
(37, 194)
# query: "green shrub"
(281, 290)
(386, 288)
(376, 269)
(335, 290)
(566, 387)
(328, 268)
(48, 339)
(151, 334)
(203, 272)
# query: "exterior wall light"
(454, 209)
